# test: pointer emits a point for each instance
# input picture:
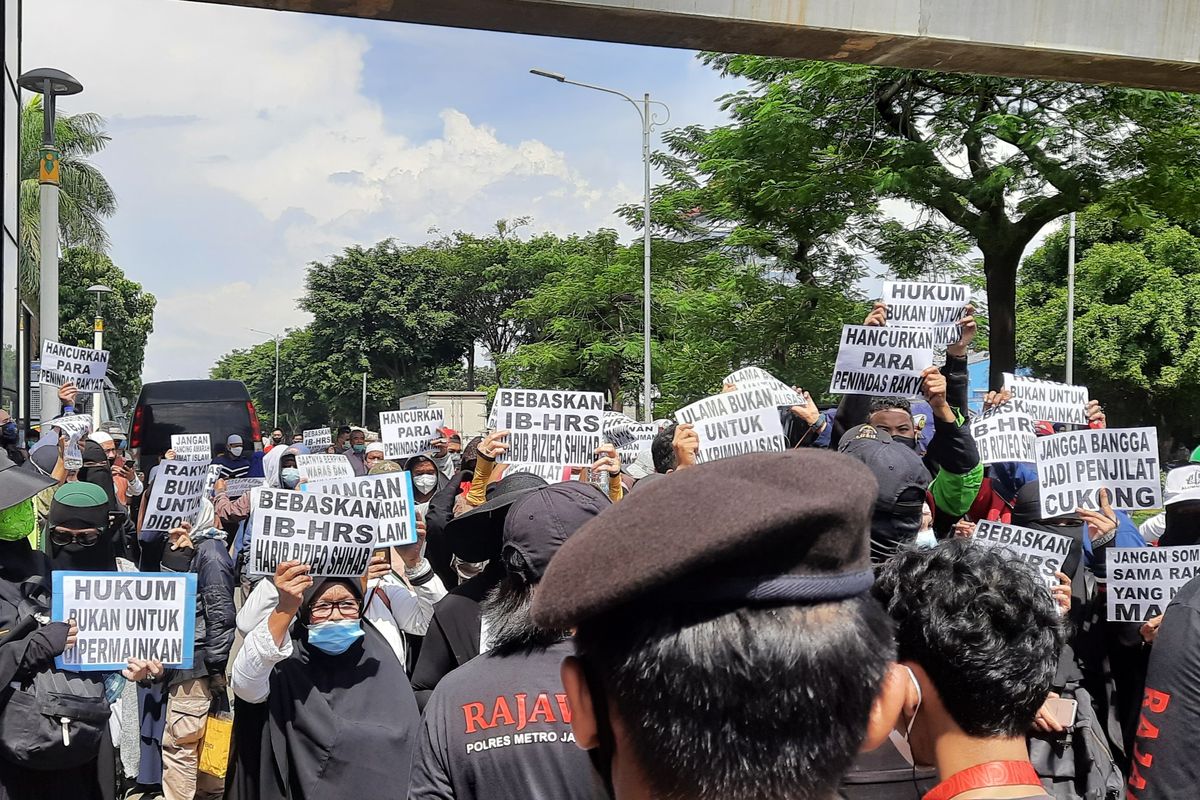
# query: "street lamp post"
(648, 122)
(98, 342)
(50, 83)
(275, 336)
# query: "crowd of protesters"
(809, 624)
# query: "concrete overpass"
(1149, 43)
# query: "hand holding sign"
(878, 315)
(138, 670)
(685, 443)
(67, 394)
(967, 328)
(1061, 592)
(411, 553)
(292, 581)
(808, 412)
(1101, 524)
(494, 445)
(933, 386)
(1095, 415)
(996, 399)
(608, 461)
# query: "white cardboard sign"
(550, 473)
(396, 513)
(1005, 434)
(1143, 580)
(318, 438)
(333, 535)
(191, 447)
(550, 427)
(934, 306)
(82, 366)
(179, 488)
(735, 423)
(1045, 552)
(236, 487)
(123, 615)
(883, 361)
(1073, 467)
(323, 466)
(1048, 400)
(758, 378)
(409, 433)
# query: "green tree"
(1137, 320)
(128, 313)
(991, 161)
(84, 199)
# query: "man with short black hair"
(980, 636)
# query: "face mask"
(908, 441)
(456, 460)
(236, 452)
(335, 636)
(17, 522)
(360, 448)
(8, 432)
(902, 740)
(276, 439)
(289, 477)
(424, 483)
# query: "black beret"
(761, 529)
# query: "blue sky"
(248, 143)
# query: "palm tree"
(84, 195)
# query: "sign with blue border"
(124, 615)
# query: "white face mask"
(424, 483)
(901, 740)
(235, 451)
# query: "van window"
(218, 420)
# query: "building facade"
(14, 317)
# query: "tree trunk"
(471, 368)
(614, 390)
(1000, 267)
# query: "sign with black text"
(323, 466)
(735, 423)
(1004, 434)
(318, 438)
(1073, 467)
(124, 615)
(409, 433)
(881, 361)
(177, 494)
(631, 438)
(550, 473)
(82, 366)
(236, 487)
(333, 535)
(1143, 580)
(934, 306)
(550, 427)
(1045, 552)
(394, 509)
(191, 446)
(1048, 400)
(758, 378)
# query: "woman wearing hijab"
(426, 480)
(329, 712)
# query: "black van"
(218, 408)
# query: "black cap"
(476, 535)
(541, 520)
(898, 470)
(18, 485)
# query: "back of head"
(902, 480)
(662, 450)
(983, 627)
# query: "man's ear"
(885, 711)
(583, 714)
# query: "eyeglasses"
(347, 609)
(65, 536)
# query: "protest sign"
(123, 615)
(550, 473)
(933, 306)
(758, 378)
(82, 366)
(735, 423)
(881, 361)
(333, 535)
(1004, 434)
(550, 427)
(318, 438)
(396, 512)
(323, 466)
(236, 487)
(1045, 552)
(210, 479)
(1072, 468)
(177, 494)
(408, 433)
(631, 438)
(73, 426)
(1142, 580)
(191, 446)
(1048, 400)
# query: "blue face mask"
(289, 477)
(360, 448)
(335, 636)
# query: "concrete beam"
(1148, 43)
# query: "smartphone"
(1064, 710)
(119, 462)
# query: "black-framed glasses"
(347, 609)
(65, 536)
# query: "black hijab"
(81, 505)
(1183, 524)
(1027, 512)
(97, 470)
(341, 727)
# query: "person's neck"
(955, 751)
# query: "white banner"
(82, 366)
(318, 438)
(334, 535)
(934, 306)
(1048, 400)
(1045, 552)
(236, 487)
(73, 426)
(550, 427)
(550, 473)
(323, 467)
(749, 378)
(191, 447)
(123, 615)
(1004, 434)
(881, 361)
(1073, 467)
(395, 511)
(631, 438)
(409, 433)
(735, 423)
(177, 494)
(1142, 580)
